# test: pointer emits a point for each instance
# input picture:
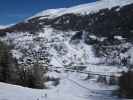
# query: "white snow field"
(5, 26)
(72, 87)
(83, 8)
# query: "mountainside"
(95, 37)
(102, 26)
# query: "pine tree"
(126, 84)
(8, 66)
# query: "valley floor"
(73, 86)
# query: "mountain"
(94, 37)
(96, 26)
(2, 26)
(5, 26)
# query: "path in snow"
(73, 86)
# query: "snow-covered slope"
(5, 26)
(72, 87)
(61, 50)
(84, 8)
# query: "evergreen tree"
(126, 84)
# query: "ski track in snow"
(72, 87)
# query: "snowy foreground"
(73, 86)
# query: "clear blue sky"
(12, 11)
